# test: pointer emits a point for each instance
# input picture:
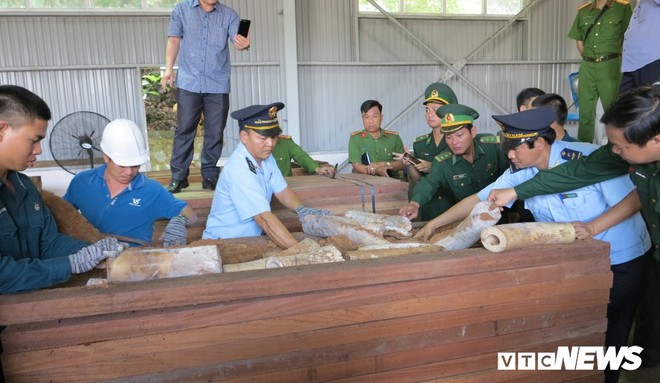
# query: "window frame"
(402, 13)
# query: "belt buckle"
(599, 59)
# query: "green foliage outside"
(459, 7)
(95, 4)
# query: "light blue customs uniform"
(244, 190)
(628, 240)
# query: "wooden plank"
(52, 304)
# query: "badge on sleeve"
(253, 168)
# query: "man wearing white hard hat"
(118, 200)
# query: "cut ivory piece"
(381, 223)
(468, 232)
(146, 264)
(325, 254)
(330, 225)
(516, 235)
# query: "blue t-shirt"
(131, 213)
(628, 240)
(244, 190)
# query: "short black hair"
(556, 101)
(526, 94)
(637, 112)
(364, 108)
(19, 106)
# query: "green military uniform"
(287, 150)
(453, 173)
(380, 149)
(600, 69)
(599, 166)
(460, 177)
(424, 148)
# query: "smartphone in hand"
(411, 158)
(244, 27)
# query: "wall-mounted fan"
(75, 141)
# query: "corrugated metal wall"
(92, 63)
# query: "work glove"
(175, 232)
(90, 256)
(305, 211)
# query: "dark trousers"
(624, 298)
(647, 326)
(190, 107)
(646, 75)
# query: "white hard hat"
(123, 141)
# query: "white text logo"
(572, 358)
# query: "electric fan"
(75, 139)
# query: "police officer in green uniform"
(370, 150)
(427, 146)
(473, 162)
(286, 150)
(633, 131)
(598, 29)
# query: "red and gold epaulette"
(391, 132)
(584, 5)
(356, 132)
(284, 136)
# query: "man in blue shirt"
(33, 254)
(641, 52)
(530, 144)
(118, 200)
(199, 30)
(241, 203)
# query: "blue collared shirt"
(628, 240)
(204, 64)
(640, 42)
(130, 213)
(244, 190)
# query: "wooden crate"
(425, 317)
(345, 192)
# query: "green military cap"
(439, 93)
(455, 117)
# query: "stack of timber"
(345, 192)
(418, 318)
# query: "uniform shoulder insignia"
(392, 132)
(570, 154)
(622, 2)
(421, 138)
(284, 136)
(355, 133)
(251, 166)
(584, 5)
(447, 154)
(489, 139)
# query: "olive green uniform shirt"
(599, 166)
(287, 150)
(380, 149)
(607, 34)
(461, 177)
(424, 148)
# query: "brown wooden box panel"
(423, 317)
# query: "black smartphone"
(244, 27)
(411, 158)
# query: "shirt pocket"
(217, 34)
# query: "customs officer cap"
(439, 93)
(260, 118)
(456, 116)
(524, 126)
